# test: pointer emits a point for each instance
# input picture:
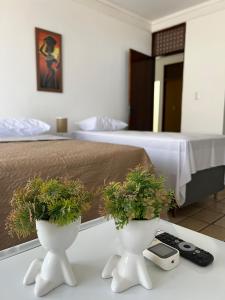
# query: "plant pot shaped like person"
(53, 208)
(130, 269)
(135, 206)
(55, 269)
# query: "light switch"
(197, 96)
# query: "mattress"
(175, 155)
(92, 163)
(44, 137)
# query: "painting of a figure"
(49, 60)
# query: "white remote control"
(166, 257)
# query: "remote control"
(187, 250)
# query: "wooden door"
(172, 97)
(142, 76)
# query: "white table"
(89, 254)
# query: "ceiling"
(154, 9)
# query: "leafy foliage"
(141, 196)
(58, 201)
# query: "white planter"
(130, 269)
(55, 269)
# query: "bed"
(193, 164)
(50, 156)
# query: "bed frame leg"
(173, 208)
(216, 196)
(173, 212)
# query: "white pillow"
(12, 127)
(101, 124)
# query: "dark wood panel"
(169, 41)
(172, 103)
(142, 75)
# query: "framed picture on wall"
(49, 60)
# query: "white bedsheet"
(174, 155)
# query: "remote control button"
(177, 241)
(186, 246)
(197, 251)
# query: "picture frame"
(49, 60)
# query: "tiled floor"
(207, 217)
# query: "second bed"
(193, 164)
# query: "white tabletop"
(90, 252)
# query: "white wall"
(204, 65)
(95, 60)
(204, 75)
(161, 62)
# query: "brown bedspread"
(93, 163)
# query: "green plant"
(59, 201)
(141, 196)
